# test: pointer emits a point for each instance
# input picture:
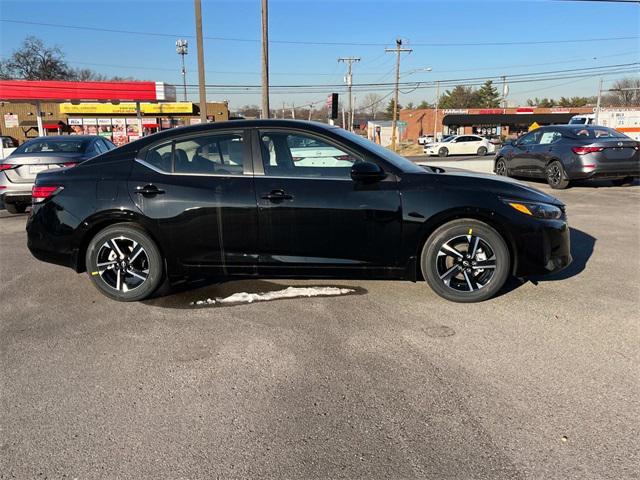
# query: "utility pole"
(310, 107)
(349, 81)
(435, 116)
(182, 48)
(283, 110)
(597, 112)
(265, 59)
(199, 44)
(505, 92)
(394, 124)
(293, 111)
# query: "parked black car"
(18, 171)
(561, 153)
(293, 199)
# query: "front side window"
(550, 136)
(530, 138)
(302, 155)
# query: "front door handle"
(148, 190)
(275, 195)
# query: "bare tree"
(371, 104)
(623, 93)
(34, 61)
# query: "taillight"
(6, 166)
(295, 159)
(70, 164)
(585, 150)
(39, 193)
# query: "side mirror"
(367, 172)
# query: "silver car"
(18, 171)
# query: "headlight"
(538, 210)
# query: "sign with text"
(125, 108)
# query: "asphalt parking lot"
(390, 381)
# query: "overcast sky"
(233, 56)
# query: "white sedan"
(460, 145)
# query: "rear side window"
(598, 132)
(221, 154)
(160, 157)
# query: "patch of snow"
(289, 292)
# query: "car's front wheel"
(482, 151)
(124, 262)
(465, 260)
(501, 168)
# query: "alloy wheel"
(501, 168)
(554, 175)
(122, 264)
(466, 263)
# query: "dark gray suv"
(561, 153)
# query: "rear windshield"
(600, 132)
(44, 145)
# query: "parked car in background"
(18, 171)
(424, 139)
(373, 215)
(7, 146)
(460, 145)
(562, 153)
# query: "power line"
(319, 43)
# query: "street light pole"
(394, 123)
(435, 116)
(200, 48)
(265, 59)
(182, 48)
(597, 112)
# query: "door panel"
(319, 220)
(208, 220)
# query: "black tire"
(623, 182)
(129, 277)
(443, 152)
(482, 151)
(15, 208)
(556, 176)
(448, 274)
(501, 168)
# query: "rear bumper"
(609, 170)
(50, 240)
(16, 197)
(545, 250)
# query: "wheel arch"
(97, 223)
(490, 218)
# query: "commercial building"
(119, 111)
(500, 122)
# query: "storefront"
(119, 111)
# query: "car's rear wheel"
(15, 207)
(465, 260)
(501, 168)
(443, 152)
(482, 151)
(124, 263)
(556, 176)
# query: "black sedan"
(561, 153)
(290, 199)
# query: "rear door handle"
(276, 195)
(148, 190)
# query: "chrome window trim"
(163, 172)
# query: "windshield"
(393, 158)
(44, 145)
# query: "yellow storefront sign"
(533, 126)
(126, 108)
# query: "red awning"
(150, 125)
(67, 91)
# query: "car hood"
(503, 186)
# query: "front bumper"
(544, 249)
